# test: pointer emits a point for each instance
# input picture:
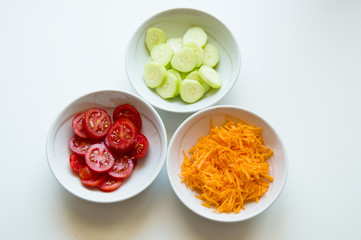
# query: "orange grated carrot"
(228, 167)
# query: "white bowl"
(198, 125)
(175, 22)
(144, 174)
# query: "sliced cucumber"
(162, 53)
(175, 43)
(195, 76)
(191, 90)
(178, 76)
(210, 76)
(196, 35)
(211, 55)
(169, 88)
(154, 74)
(184, 60)
(154, 36)
(198, 51)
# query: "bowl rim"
(235, 107)
(185, 109)
(163, 155)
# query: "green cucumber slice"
(175, 43)
(191, 90)
(198, 51)
(184, 60)
(210, 76)
(170, 87)
(195, 76)
(211, 55)
(154, 74)
(162, 53)
(154, 36)
(179, 77)
(196, 35)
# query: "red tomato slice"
(122, 168)
(76, 162)
(140, 148)
(110, 184)
(99, 158)
(79, 145)
(96, 123)
(90, 178)
(122, 134)
(77, 125)
(130, 112)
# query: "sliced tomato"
(79, 145)
(122, 168)
(122, 134)
(77, 162)
(90, 178)
(77, 125)
(130, 112)
(99, 158)
(140, 147)
(110, 184)
(96, 123)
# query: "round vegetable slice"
(175, 43)
(96, 123)
(191, 90)
(196, 35)
(110, 184)
(169, 88)
(184, 60)
(154, 36)
(198, 51)
(76, 162)
(121, 134)
(130, 112)
(210, 76)
(98, 158)
(211, 55)
(79, 145)
(162, 53)
(122, 168)
(195, 76)
(140, 148)
(154, 74)
(77, 125)
(90, 178)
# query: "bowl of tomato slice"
(107, 146)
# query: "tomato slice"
(122, 134)
(110, 184)
(99, 158)
(77, 125)
(130, 112)
(122, 168)
(79, 145)
(90, 178)
(141, 146)
(76, 162)
(96, 123)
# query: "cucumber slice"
(210, 76)
(211, 55)
(162, 53)
(154, 36)
(184, 60)
(154, 74)
(175, 43)
(195, 76)
(198, 51)
(196, 35)
(178, 76)
(191, 90)
(169, 88)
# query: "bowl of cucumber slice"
(182, 60)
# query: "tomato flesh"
(76, 162)
(77, 125)
(122, 134)
(110, 184)
(99, 158)
(96, 123)
(122, 168)
(90, 178)
(79, 145)
(141, 146)
(129, 112)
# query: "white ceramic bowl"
(148, 168)
(175, 22)
(198, 125)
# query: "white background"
(301, 71)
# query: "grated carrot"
(228, 167)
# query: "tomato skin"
(140, 147)
(77, 162)
(122, 168)
(79, 145)
(122, 134)
(96, 123)
(77, 125)
(98, 158)
(110, 184)
(90, 178)
(129, 112)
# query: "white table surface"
(301, 71)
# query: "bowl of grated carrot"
(226, 163)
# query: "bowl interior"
(198, 125)
(147, 168)
(175, 23)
